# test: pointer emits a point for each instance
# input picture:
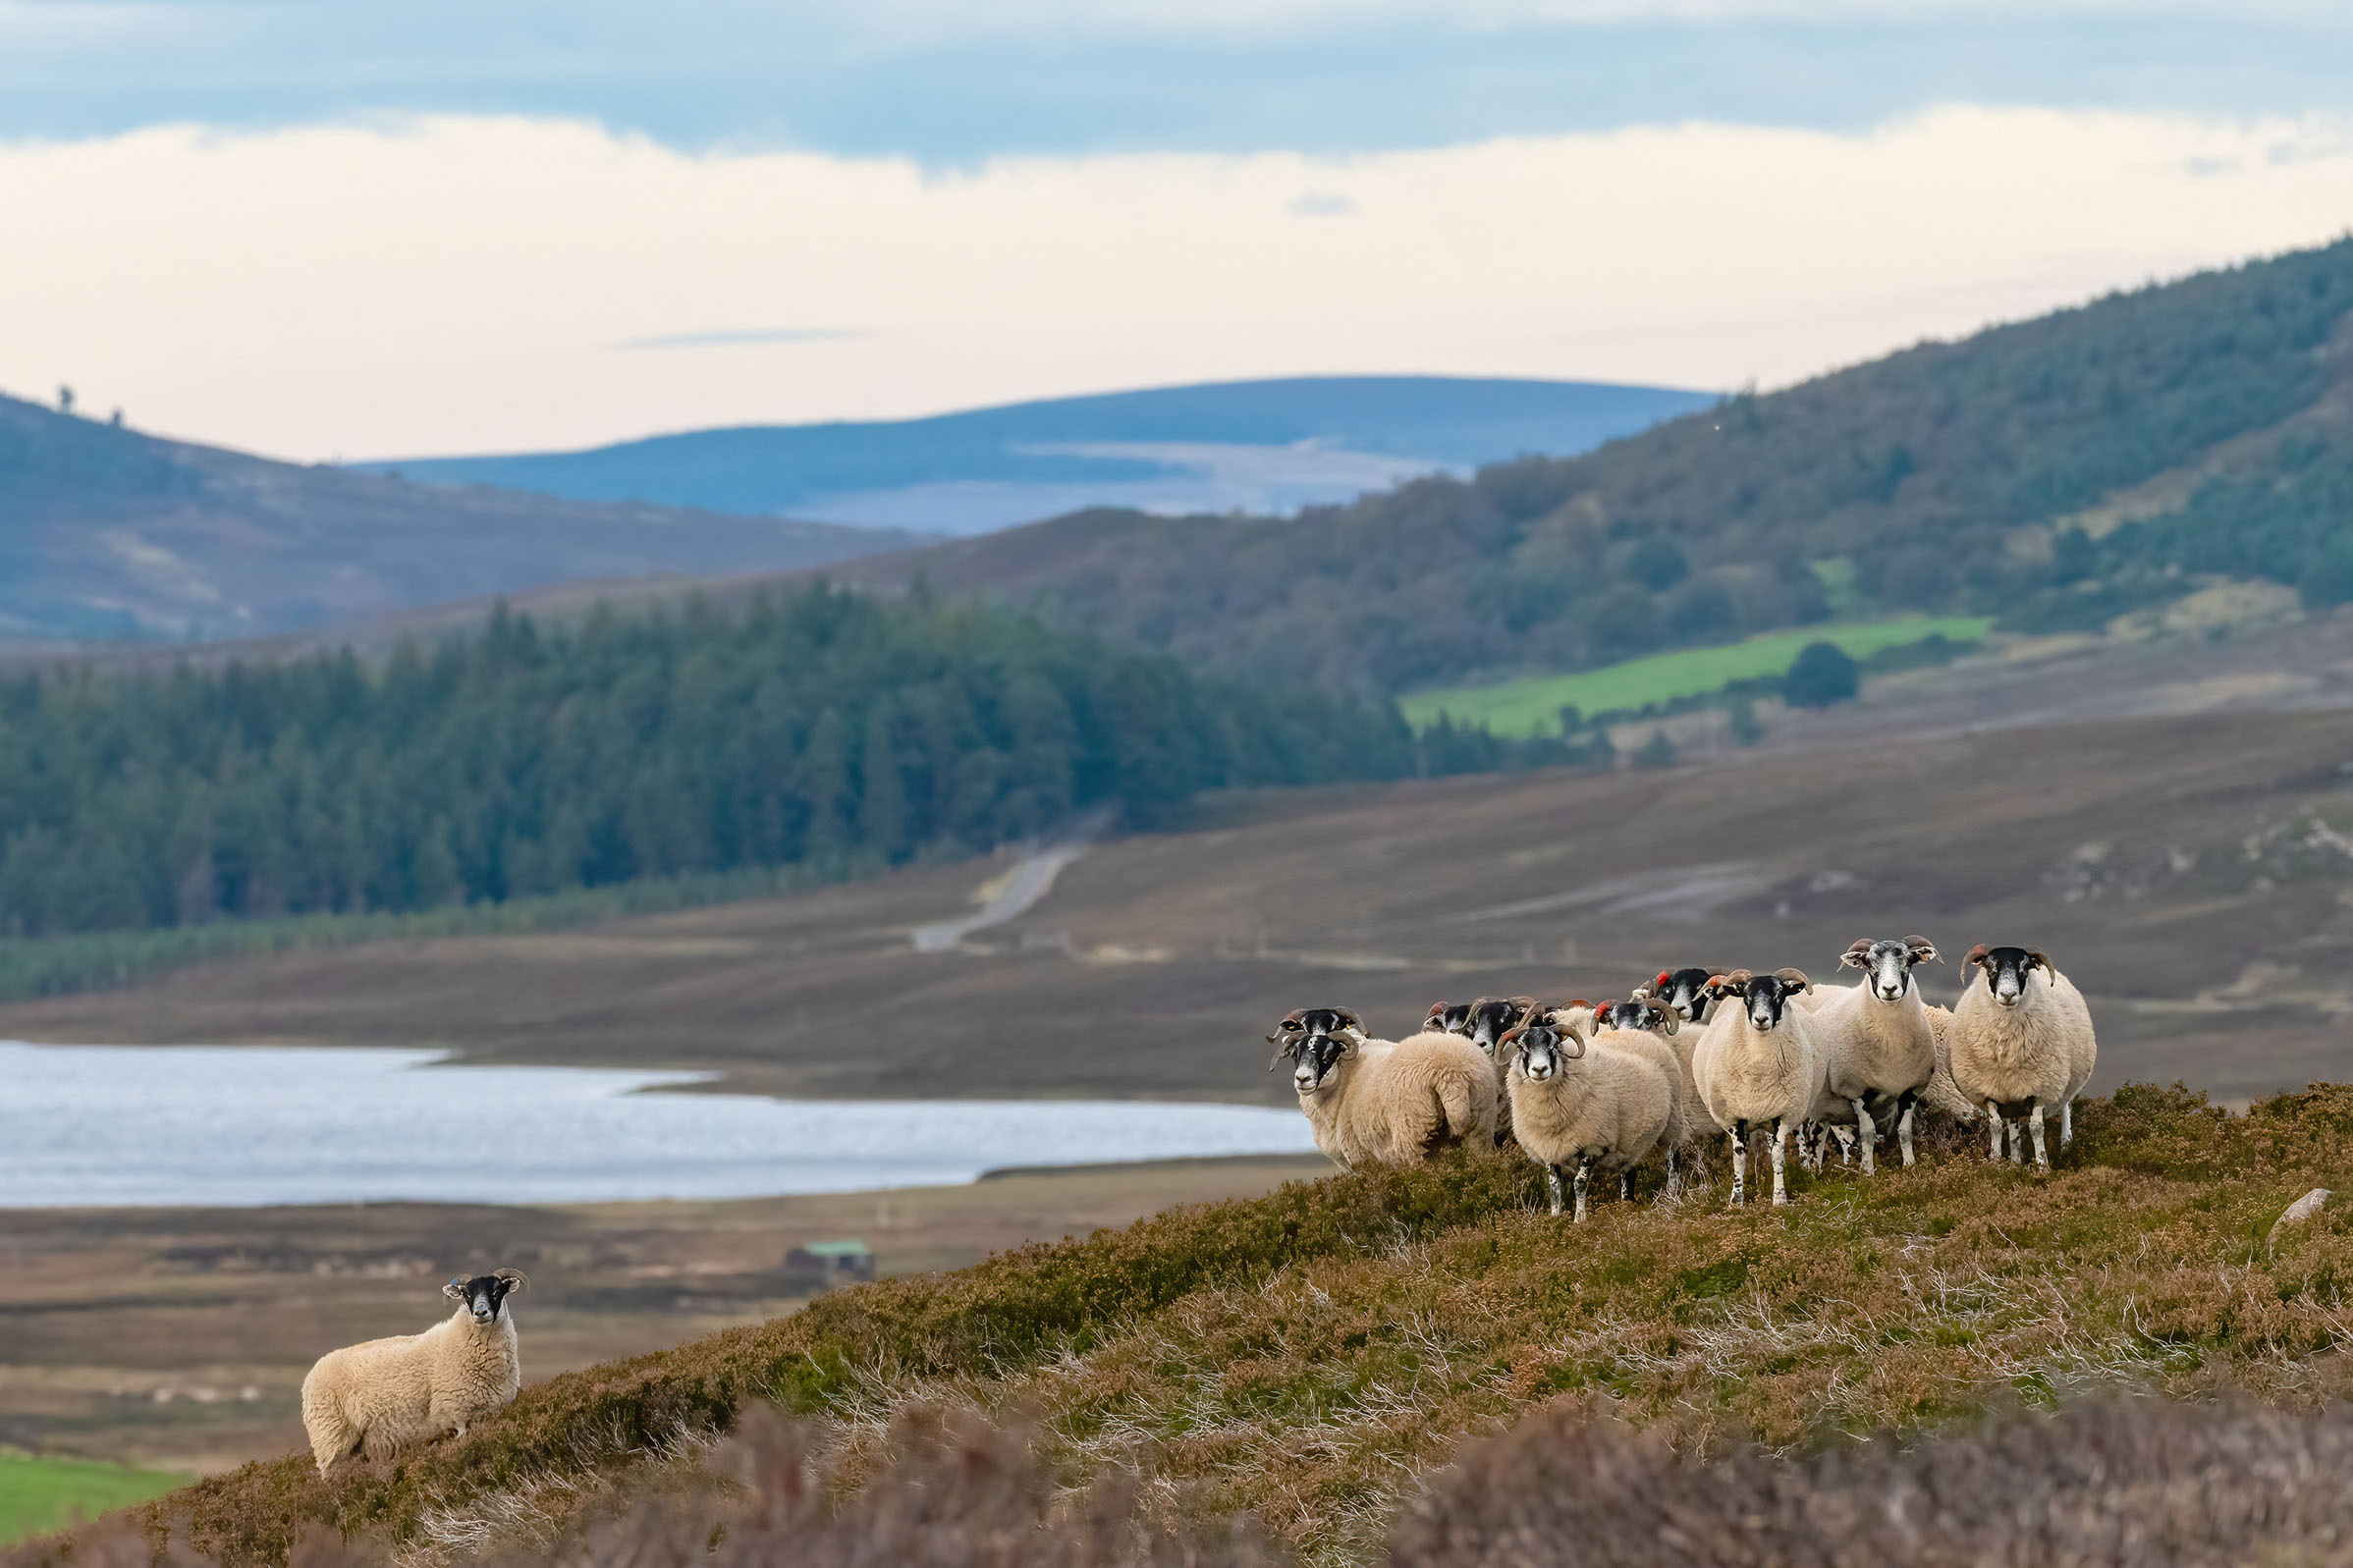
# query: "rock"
(2301, 1209)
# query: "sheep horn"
(1737, 977)
(1977, 954)
(1923, 949)
(1793, 977)
(1857, 952)
(2040, 957)
(515, 1278)
(1348, 1020)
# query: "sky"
(364, 228)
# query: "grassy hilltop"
(1306, 1357)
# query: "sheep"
(1581, 1104)
(1755, 1069)
(1684, 993)
(1393, 1102)
(1941, 1095)
(2022, 1043)
(377, 1398)
(1484, 1022)
(1875, 1044)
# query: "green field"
(43, 1494)
(1532, 707)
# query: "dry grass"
(1306, 1357)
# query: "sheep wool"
(1401, 1102)
(2033, 1057)
(1757, 1069)
(377, 1398)
(1600, 1107)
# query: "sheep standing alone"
(1876, 1046)
(1579, 1105)
(377, 1398)
(1394, 1102)
(2022, 1045)
(1755, 1069)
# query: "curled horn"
(2040, 957)
(1793, 977)
(1857, 954)
(1731, 980)
(1281, 1054)
(1977, 954)
(1349, 1021)
(515, 1278)
(1923, 949)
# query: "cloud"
(456, 284)
(737, 337)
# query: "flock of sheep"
(1584, 1088)
(1579, 1087)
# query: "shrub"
(1823, 674)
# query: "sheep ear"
(1977, 954)
(515, 1278)
(456, 1288)
(1793, 977)
(1858, 954)
(2036, 956)
(1923, 951)
(1348, 1020)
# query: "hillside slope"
(2054, 472)
(107, 533)
(1256, 446)
(1306, 1357)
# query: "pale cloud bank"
(467, 283)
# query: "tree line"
(822, 729)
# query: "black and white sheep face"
(1448, 1018)
(1491, 1018)
(485, 1294)
(1640, 1013)
(2008, 971)
(1887, 963)
(1542, 1050)
(1683, 992)
(1765, 997)
(1313, 1056)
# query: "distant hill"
(2052, 473)
(1252, 445)
(106, 533)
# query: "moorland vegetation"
(1308, 1359)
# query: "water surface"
(202, 1125)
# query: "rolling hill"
(106, 533)
(1254, 445)
(2054, 474)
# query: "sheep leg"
(1780, 1156)
(1673, 1186)
(1740, 1163)
(1552, 1176)
(1846, 1146)
(2067, 1123)
(1583, 1167)
(1866, 1134)
(1625, 1185)
(1993, 1131)
(2017, 1138)
(1903, 1128)
(2034, 1125)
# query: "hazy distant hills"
(106, 535)
(2118, 457)
(1246, 445)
